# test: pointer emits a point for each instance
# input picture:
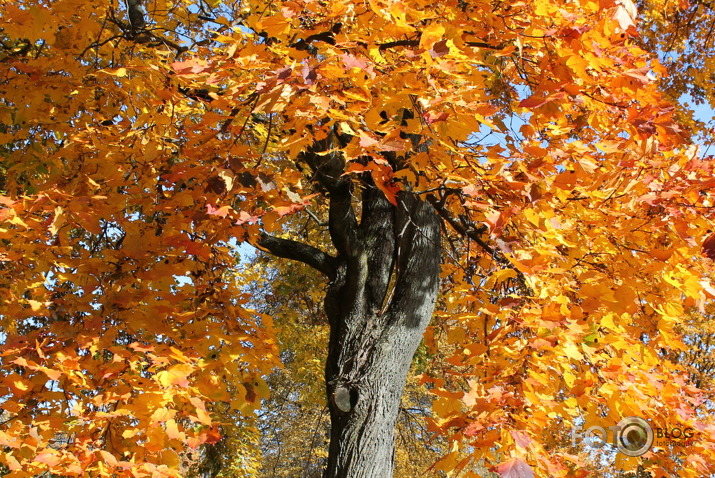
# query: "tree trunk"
(383, 287)
(378, 305)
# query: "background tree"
(515, 164)
(682, 35)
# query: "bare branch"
(475, 233)
(298, 251)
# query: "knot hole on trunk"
(345, 397)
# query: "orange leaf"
(108, 458)
(49, 458)
(189, 67)
(536, 101)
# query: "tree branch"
(416, 42)
(392, 44)
(298, 251)
(475, 234)
(328, 167)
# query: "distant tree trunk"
(382, 291)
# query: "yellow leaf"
(172, 430)
(571, 350)
(430, 35)
(176, 375)
(275, 25)
(58, 221)
(120, 72)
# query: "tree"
(294, 420)
(514, 163)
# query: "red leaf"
(521, 438)
(709, 247)
(435, 117)
(283, 74)
(514, 468)
(644, 126)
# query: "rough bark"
(380, 300)
(383, 285)
(378, 306)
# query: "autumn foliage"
(144, 144)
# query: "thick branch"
(135, 11)
(342, 222)
(298, 251)
(328, 168)
(377, 225)
(417, 237)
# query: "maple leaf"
(537, 102)
(310, 75)
(284, 73)
(222, 211)
(176, 375)
(244, 218)
(50, 458)
(625, 13)
(351, 61)
(640, 75)
(191, 66)
(514, 468)
(366, 141)
(283, 210)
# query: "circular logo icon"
(635, 436)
